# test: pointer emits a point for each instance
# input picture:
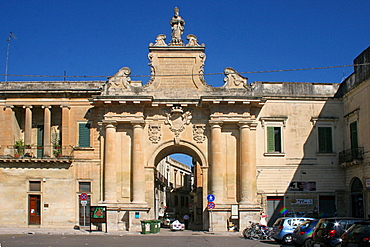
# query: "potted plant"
(19, 148)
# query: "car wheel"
(308, 243)
(288, 239)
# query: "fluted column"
(138, 176)
(247, 167)
(217, 171)
(28, 125)
(8, 136)
(110, 177)
(47, 131)
(65, 126)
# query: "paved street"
(56, 238)
(127, 240)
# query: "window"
(35, 185)
(84, 135)
(274, 135)
(274, 140)
(353, 135)
(84, 186)
(325, 140)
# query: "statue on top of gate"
(177, 24)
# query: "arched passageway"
(179, 188)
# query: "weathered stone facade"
(257, 146)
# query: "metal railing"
(40, 152)
(352, 154)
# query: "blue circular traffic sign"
(211, 198)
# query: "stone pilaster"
(110, 177)
(138, 177)
(217, 171)
(47, 131)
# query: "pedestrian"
(186, 220)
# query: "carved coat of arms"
(177, 120)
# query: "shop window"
(84, 135)
(35, 185)
(325, 140)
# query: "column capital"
(248, 124)
(110, 124)
(138, 123)
(215, 123)
(9, 106)
(65, 106)
(46, 107)
(28, 106)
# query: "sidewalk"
(163, 232)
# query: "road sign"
(211, 198)
(83, 197)
(211, 205)
(84, 203)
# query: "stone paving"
(163, 232)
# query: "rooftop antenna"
(11, 36)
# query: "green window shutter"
(325, 140)
(84, 135)
(270, 140)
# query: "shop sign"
(302, 202)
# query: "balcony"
(28, 153)
(351, 156)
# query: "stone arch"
(357, 198)
(356, 185)
(183, 147)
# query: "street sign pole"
(83, 198)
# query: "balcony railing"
(39, 152)
(350, 155)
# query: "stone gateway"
(255, 146)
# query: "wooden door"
(34, 211)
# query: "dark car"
(358, 235)
(329, 230)
(302, 235)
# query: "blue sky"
(97, 38)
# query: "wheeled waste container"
(155, 226)
(146, 226)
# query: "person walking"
(186, 220)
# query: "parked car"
(357, 235)
(302, 235)
(329, 230)
(168, 218)
(283, 228)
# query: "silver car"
(283, 228)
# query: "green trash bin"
(145, 226)
(155, 226)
